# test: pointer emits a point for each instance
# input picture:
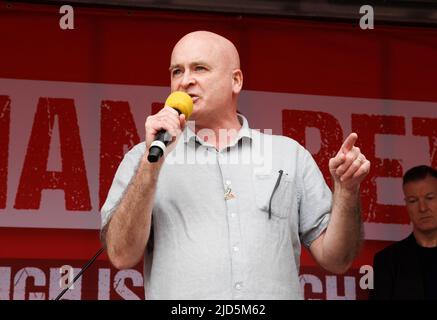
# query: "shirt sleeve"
(315, 200)
(122, 178)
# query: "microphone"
(86, 266)
(182, 103)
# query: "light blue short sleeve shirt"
(212, 234)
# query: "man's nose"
(423, 205)
(187, 80)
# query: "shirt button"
(238, 285)
(233, 215)
(228, 182)
(235, 248)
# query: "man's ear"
(237, 81)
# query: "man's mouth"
(425, 218)
(194, 97)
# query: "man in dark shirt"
(408, 269)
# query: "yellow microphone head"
(181, 101)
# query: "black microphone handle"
(156, 151)
(154, 154)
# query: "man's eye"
(200, 68)
(430, 197)
(175, 72)
(411, 201)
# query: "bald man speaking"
(210, 220)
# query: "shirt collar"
(244, 131)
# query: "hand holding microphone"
(167, 123)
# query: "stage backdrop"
(73, 102)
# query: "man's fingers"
(182, 121)
(355, 165)
(349, 159)
(170, 110)
(363, 170)
(164, 124)
(335, 162)
(359, 167)
(171, 127)
(165, 120)
(169, 122)
(349, 142)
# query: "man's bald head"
(223, 47)
(207, 67)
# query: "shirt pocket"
(274, 194)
